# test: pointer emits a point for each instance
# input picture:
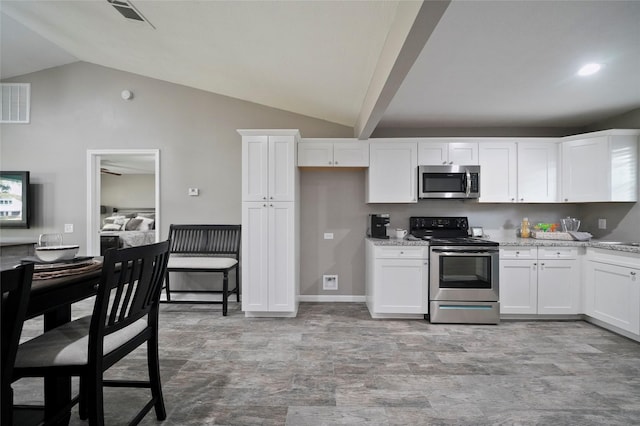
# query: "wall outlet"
(602, 223)
(194, 192)
(329, 282)
(68, 228)
(328, 235)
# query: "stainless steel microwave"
(449, 181)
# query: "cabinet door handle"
(335, 162)
(521, 199)
(264, 205)
(450, 162)
(329, 162)
(566, 199)
(513, 199)
(444, 162)
(264, 198)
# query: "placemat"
(68, 269)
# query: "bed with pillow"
(127, 228)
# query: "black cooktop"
(460, 241)
(441, 231)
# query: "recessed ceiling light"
(589, 69)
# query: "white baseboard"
(330, 298)
(232, 298)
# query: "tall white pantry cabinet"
(270, 221)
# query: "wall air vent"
(16, 99)
(129, 11)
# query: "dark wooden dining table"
(53, 298)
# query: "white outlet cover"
(329, 282)
(328, 235)
(194, 191)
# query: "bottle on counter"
(525, 231)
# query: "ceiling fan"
(106, 171)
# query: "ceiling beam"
(412, 26)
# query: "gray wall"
(127, 191)
(333, 201)
(78, 107)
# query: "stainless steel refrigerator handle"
(468, 189)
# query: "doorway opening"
(111, 176)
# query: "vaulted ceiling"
(364, 64)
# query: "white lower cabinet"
(612, 292)
(269, 261)
(559, 286)
(518, 287)
(544, 280)
(396, 280)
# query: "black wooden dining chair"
(125, 315)
(16, 285)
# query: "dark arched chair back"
(16, 285)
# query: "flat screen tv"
(14, 200)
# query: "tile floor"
(334, 365)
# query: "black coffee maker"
(378, 224)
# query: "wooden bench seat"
(205, 248)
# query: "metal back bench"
(205, 248)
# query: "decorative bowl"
(56, 253)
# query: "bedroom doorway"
(114, 171)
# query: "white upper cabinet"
(268, 167)
(601, 166)
(537, 172)
(254, 168)
(315, 154)
(333, 153)
(393, 172)
(519, 170)
(435, 152)
(498, 172)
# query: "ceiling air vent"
(15, 102)
(129, 11)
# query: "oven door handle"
(454, 252)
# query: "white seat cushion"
(69, 344)
(200, 262)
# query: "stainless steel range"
(463, 271)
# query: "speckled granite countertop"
(397, 242)
(522, 242)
